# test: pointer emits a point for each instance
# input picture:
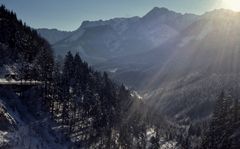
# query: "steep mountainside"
(99, 41)
(21, 50)
(185, 74)
(18, 42)
(20, 128)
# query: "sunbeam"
(231, 4)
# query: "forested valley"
(72, 105)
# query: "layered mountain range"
(178, 62)
(99, 41)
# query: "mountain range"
(178, 62)
(99, 41)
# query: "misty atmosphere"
(147, 74)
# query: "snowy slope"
(21, 132)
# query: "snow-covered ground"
(4, 81)
(163, 143)
(25, 131)
(168, 144)
(136, 95)
(114, 70)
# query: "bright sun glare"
(232, 4)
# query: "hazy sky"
(68, 14)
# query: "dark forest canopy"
(17, 40)
(23, 48)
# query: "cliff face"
(7, 122)
(7, 125)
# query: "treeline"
(21, 47)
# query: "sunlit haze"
(65, 15)
(231, 4)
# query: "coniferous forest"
(52, 101)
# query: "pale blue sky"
(68, 14)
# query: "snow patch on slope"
(24, 130)
(168, 144)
